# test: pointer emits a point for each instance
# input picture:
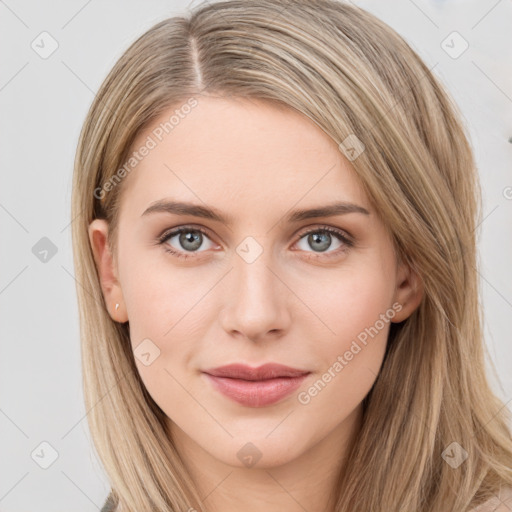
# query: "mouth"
(264, 372)
(256, 387)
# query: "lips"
(267, 371)
(256, 387)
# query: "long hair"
(353, 76)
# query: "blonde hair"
(352, 75)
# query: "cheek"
(351, 361)
(163, 302)
(168, 311)
(360, 306)
(348, 302)
(164, 315)
(356, 314)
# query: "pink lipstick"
(256, 387)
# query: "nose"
(257, 300)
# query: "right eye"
(189, 238)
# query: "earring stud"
(117, 306)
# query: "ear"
(110, 286)
(408, 292)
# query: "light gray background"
(43, 104)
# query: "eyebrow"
(205, 212)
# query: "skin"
(295, 304)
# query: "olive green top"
(109, 505)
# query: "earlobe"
(408, 293)
(107, 272)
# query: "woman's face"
(257, 281)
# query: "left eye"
(321, 240)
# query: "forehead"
(227, 152)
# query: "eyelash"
(348, 243)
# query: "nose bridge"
(258, 299)
(255, 277)
(252, 272)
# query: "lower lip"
(256, 393)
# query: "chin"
(259, 452)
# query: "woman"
(275, 207)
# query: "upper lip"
(266, 371)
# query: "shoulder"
(500, 503)
(110, 505)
